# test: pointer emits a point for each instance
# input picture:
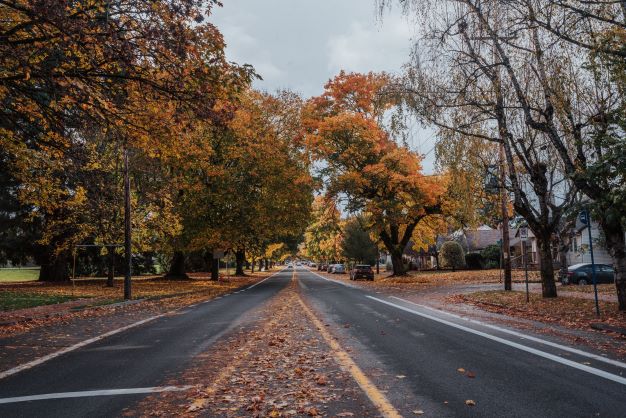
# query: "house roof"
(481, 238)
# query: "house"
(516, 244)
(579, 245)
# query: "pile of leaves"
(569, 312)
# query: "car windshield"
(363, 267)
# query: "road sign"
(523, 233)
(583, 217)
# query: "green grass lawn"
(10, 301)
(19, 274)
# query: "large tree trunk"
(617, 248)
(177, 269)
(546, 266)
(397, 262)
(215, 268)
(252, 265)
(54, 268)
(111, 266)
(240, 258)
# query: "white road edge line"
(524, 336)
(76, 346)
(557, 359)
(89, 393)
(84, 343)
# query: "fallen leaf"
(400, 376)
(313, 412)
(470, 402)
(460, 370)
(470, 375)
(418, 412)
(197, 404)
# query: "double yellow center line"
(346, 363)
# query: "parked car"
(324, 267)
(339, 269)
(362, 271)
(581, 274)
(312, 265)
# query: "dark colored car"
(324, 267)
(362, 271)
(581, 274)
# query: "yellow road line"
(345, 361)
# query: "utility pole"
(127, 230)
(506, 242)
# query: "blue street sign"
(583, 217)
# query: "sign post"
(585, 218)
(523, 233)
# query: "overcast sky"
(301, 44)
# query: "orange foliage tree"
(363, 165)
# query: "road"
(410, 353)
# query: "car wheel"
(582, 282)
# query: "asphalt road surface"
(411, 353)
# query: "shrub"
(474, 261)
(491, 255)
(452, 255)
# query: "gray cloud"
(299, 45)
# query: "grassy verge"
(603, 289)
(19, 274)
(26, 295)
(10, 301)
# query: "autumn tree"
(251, 189)
(322, 238)
(345, 128)
(137, 73)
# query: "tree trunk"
(215, 269)
(54, 269)
(240, 258)
(397, 262)
(177, 269)
(548, 286)
(617, 248)
(252, 265)
(111, 266)
(267, 265)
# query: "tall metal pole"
(127, 230)
(593, 264)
